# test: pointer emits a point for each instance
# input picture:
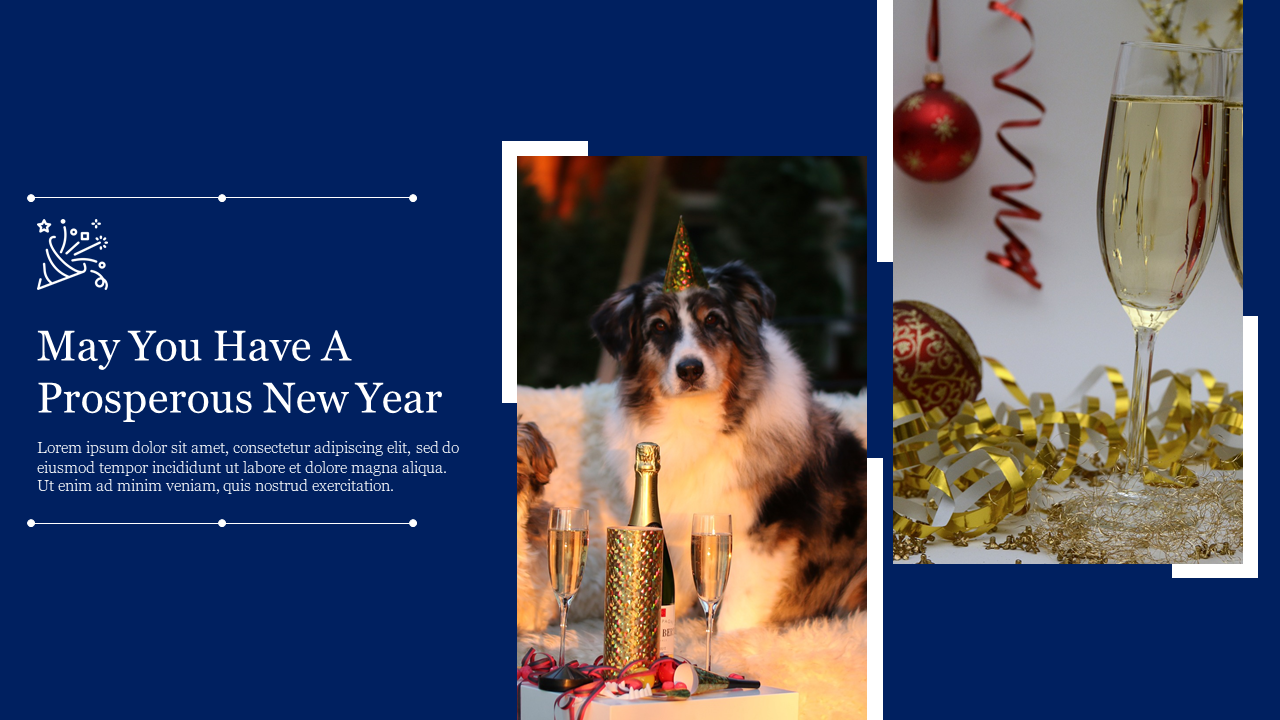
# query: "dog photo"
(714, 307)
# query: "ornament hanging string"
(1017, 256)
(933, 48)
(936, 135)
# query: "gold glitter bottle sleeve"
(633, 594)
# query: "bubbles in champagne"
(566, 554)
(711, 555)
(1158, 201)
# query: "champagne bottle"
(644, 513)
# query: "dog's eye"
(660, 327)
(712, 321)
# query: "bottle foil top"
(647, 457)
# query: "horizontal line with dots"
(222, 523)
(224, 198)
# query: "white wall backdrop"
(1048, 338)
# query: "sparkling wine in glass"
(1233, 160)
(1159, 191)
(712, 553)
(566, 556)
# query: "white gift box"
(765, 703)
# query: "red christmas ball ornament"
(935, 133)
(935, 362)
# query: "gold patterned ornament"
(935, 362)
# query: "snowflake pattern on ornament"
(944, 128)
(914, 102)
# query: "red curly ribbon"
(1195, 238)
(1017, 256)
(535, 665)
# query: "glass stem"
(1145, 341)
(711, 613)
(564, 610)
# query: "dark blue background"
(372, 621)
(178, 621)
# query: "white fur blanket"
(823, 659)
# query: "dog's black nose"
(689, 369)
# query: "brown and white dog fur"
(706, 376)
(745, 437)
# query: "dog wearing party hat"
(705, 375)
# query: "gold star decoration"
(913, 160)
(914, 102)
(1167, 18)
(1176, 76)
(905, 546)
(944, 128)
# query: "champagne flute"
(712, 551)
(1233, 160)
(1158, 195)
(566, 556)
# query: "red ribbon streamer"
(1017, 256)
(933, 48)
(1195, 238)
(535, 665)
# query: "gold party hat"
(683, 269)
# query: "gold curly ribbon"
(976, 468)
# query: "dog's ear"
(534, 454)
(746, 287)
(614, 324)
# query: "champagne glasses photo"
(1233, 160)
(1159, 191)
(566, 555)
(712, 551)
